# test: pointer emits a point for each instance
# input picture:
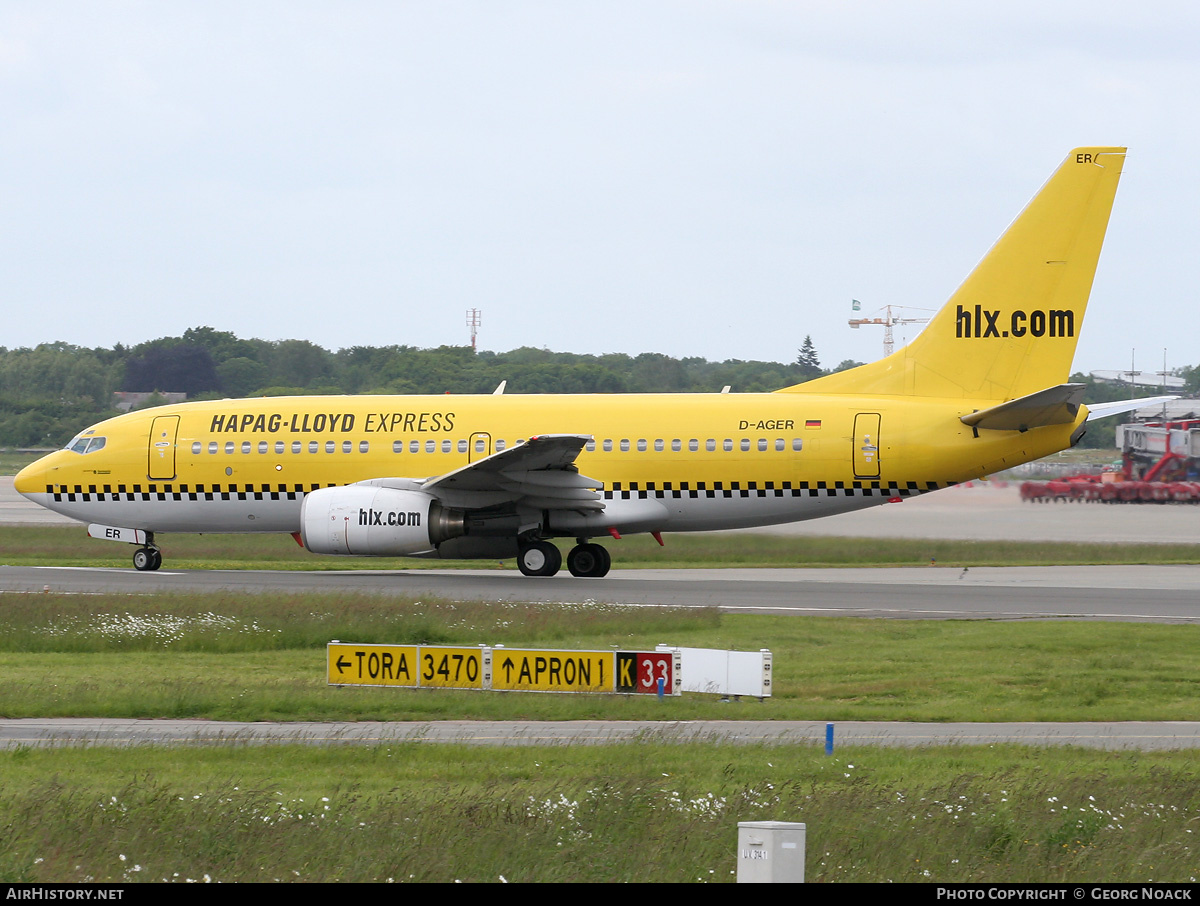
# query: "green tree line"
(49, 393)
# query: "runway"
(1168, 594)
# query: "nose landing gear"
(147, 559)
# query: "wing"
(539, 473)
(1104, 410)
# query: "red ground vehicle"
(1160, 463)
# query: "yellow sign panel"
(372, 665)
(502, 669)
(406, 665)
(552, 671)
(452, 668)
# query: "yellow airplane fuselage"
(714, 460)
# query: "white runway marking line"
(112, 569)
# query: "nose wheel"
(147, 559)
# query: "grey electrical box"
(770, 852)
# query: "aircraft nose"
(32, 479)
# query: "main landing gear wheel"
(588, 560)
(539, 559)
(147, 559)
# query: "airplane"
(981, 389)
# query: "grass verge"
(634, 812)
(263, 656)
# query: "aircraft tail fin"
(1011, 328)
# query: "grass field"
(635, 812)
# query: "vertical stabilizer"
(1011, 328)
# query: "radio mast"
(473, 322)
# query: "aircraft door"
(161, 453)
(479, 445)
(866, 445)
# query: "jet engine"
(375, 521)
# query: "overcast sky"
(712, 179)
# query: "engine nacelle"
(374, 521)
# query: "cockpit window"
(85, 444)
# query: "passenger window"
(212, 446)
(245, 447)
(347, 446)
(414, 446)
(500, 445)
(745, 445)
(296, 446)
(197, 447)
(780, 446)
(262, 446)
(590, 446)
(228, 447)
(762, 445)
(364, 446)
(279, 446)
(641, 446)
(480, 446)
(797, 443)
(710, 445)
(693, 445)
(431, 446)
(658, 445)
(330, 447)
(608, 446)
(676, 446)
(397, 446)
(624, 446)
(313, 446)
(462, 446)
(728, 445)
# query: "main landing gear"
(541, 558)
(588, 560)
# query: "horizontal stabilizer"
(1052, 406)
(1103, 410)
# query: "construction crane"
(888, 321)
